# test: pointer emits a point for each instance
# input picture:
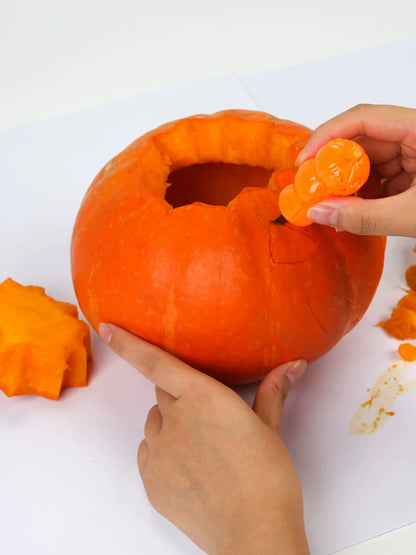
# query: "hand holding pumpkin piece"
(388, 135)
(341, 167)
(44, 347)
(212, 465)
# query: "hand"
(388, 134)
(210, 464)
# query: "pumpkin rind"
(221, 287)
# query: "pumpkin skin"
(213, 280)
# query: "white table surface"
(59, 57)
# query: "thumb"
(395, 215)
(273, 390)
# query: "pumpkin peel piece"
(44, 347)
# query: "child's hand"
(388, 134)
(210, 464)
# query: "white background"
(58, 57)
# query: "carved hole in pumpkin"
(214, 183)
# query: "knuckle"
(142, 454)
(279, 390)
(358, 220)
(361, 107)
(366, 225)
(152, 492)
(149, 362)
(152, 417)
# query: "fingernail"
(296, 370)
(105, 331)
(302, 156)
(324, 214)
(299, 159)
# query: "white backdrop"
(60, 55)
(70, 466)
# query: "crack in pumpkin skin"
(280, 245)
(334, 337)
(206, 281)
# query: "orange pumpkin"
(176, 240)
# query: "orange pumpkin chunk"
(407, 351)
(44, 347)
(402, 322)
(411, 276)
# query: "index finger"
(164, 370)
(379, 122)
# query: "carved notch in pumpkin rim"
(214, 183)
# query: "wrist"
(282, 535)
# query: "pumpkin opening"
(215, 183)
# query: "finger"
(380, 122)
(161, 368)
(389, 168)
(379, 151)
(394, 215)
(372, 188)
(142, 455)
(396, 184)
(164, 400)
(153, 423)
(273, 390)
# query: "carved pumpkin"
(175, 241)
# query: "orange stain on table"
(373, 413)
(397, 379)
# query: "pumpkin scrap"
(402, 322)
(341, 167)
(407, 351)
(44, 347)
(411, 276)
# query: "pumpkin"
(178, 240)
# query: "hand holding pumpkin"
(388, 135)
(209, 463)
